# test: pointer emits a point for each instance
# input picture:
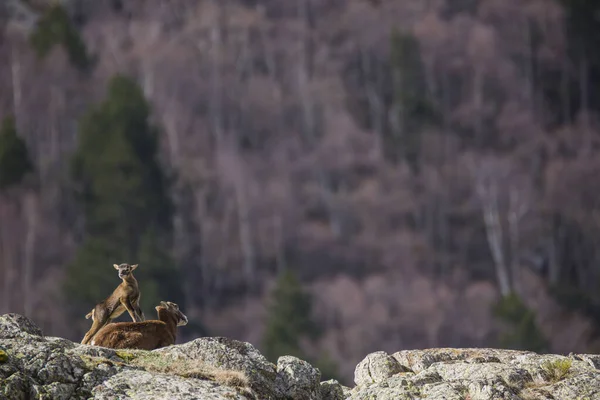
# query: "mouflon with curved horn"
(146, 335)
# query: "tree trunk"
(583, 86)
(529, 67)
(308, 107)
(446, 167)
(516, 212)
(554, 259)
(488, 195)
(279, 241)
(494, 235)
(17, 89)
(586, 148)
(6, 259)
(9, 262)
(9, 244)
(478, 105)
(244, 67)
(374, 101)
(54, 131)
(565, 92)
(147, 80)
(205, 276)
(31, 216)
(245, 231)
(216, 102)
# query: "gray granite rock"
(332, 390)
(297, 379)
(376, 367)
(484, 374)
(36, 367)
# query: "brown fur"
(126, 297)
(146, 335)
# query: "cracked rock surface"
(221, 352)
(298, 379)
(476, 374)
(376, 367)
(332, 390)
(36, 367)
(33, 366)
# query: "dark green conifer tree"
(55, 28)
(14, 156)
(583, 45)
(411, 107)
(522, 332)
(124, 197)
(290, 321)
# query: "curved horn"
(173, 305)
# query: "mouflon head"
(174, 309)
(125, 269)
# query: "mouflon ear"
(134, 266)
(116, 266)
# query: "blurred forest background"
(319, 178)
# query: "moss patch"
(127, 356)
(3, 356)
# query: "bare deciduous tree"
(505, 198)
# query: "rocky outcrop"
(33, 366)
(36, 367)
(476, 374)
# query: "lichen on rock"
(228, 354)
(297, 379)
(33, 366)
(3, 356)
(16, 325)
(483, 374)
(377, 367)
(332, 390)
(38, 367)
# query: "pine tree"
(160, 275)
(582, 25)
(583, 39)
(14, 156)
(410, 107)
(522, 332)
(124, 197)
(55, 28)
(290, 321)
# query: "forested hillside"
(321, 178)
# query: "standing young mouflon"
(146, 335)
(126, 297)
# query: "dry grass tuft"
(186, 368)
(558, 369)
